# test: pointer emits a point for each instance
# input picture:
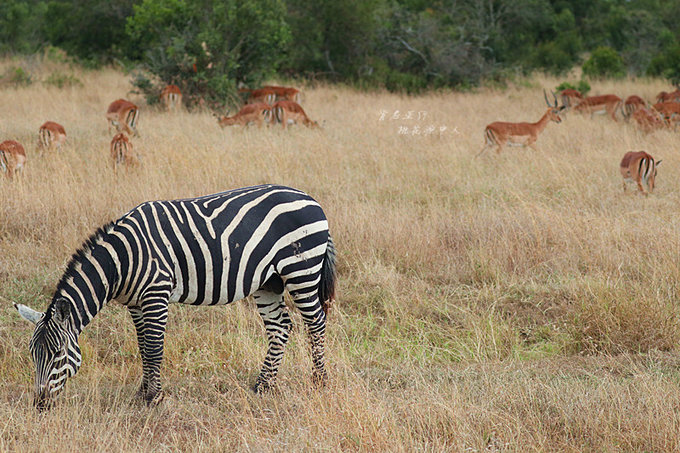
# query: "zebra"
(210, 250)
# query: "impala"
(123, 115)
(607, 103)
(289, 112)
(668, 110)
(673, 96)
(648, 119)
(639, 167)
(632, 104)
(284, 93)
(122, 152)
(12, 157)
(250, 113)
(521, 134)
(261, 95)
(171, 97)
(570, 97)
(51, 135)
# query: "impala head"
(554, 109)
(54, 347)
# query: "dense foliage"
(212, 46)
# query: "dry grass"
(514, 302)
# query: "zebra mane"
(81, 254)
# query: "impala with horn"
(520, 134)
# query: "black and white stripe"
(211, 250)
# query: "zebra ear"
(28, 313)
(62, 311)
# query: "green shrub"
(582, 86)
(16, 76)
(60, 80)
(604, 62)
(667, 65)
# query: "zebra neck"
(89, 282)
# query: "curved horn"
(545, 96)
(555, 97)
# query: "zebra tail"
(328, 277)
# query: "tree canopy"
(212, 46)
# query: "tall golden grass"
(518, 301)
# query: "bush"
(582, 86)
(667, 65)
(60, 80)
(208, 47)
(604, 62)
(16, 76)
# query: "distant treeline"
(210, 46)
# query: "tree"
(208, 47)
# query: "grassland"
(514, 302)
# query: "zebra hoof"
(261, 387)
(319, 379)
(154, 400)
(140, 394)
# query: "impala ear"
(28, 313)
(658, 162)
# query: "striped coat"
(211, 250)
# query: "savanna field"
(513, 302)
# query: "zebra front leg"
(155, 316)
(277, 323)
(138, 320)
(315, 323)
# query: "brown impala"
(284, 93)
(123, 115)
(639, 167)
(250, 113)
(673, 96)
(570, 97)
(669, 110)
(607, 103)
(261, 95)
(171, 97)
(12, 157)
(289, 112)
(632, 104)
(51, 135)
(521, 134)
(122, 152)
(648, 119)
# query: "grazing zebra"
(210, 250)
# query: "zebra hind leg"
(315, 323)
(277, 324)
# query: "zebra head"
(54, 347)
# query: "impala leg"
(484, 148)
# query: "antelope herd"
(638, 167)
(272, 104)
